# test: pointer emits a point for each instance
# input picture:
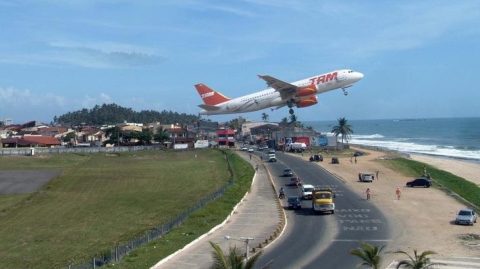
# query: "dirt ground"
(422, 218)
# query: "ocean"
(449, 137)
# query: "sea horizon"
(455, 137)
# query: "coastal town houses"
(28, 140)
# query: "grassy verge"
(464, 188)
(100, 200)
(197, 224)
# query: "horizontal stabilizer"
(209, 108)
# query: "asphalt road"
(322, 241)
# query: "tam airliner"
(300, 93)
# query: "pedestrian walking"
(250, 156)
(376, 174)
(355, 159)
(368, 193)
(398, 192)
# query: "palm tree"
(264, 116)
(369, 254)
(418, 261)
(233, 260)
(343, 128)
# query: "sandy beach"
(423, 217)
(467, 169)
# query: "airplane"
(300, 93)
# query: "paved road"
(323, 241)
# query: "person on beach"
(368, 193)
(398, 192)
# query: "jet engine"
(306, 91)
(306, 101)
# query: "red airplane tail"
(209, 96)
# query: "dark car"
(420, 182)
(294, 202)
(287, 172)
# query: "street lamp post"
(246, 240)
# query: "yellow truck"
(322, 200)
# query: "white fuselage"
(272, 98)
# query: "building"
(226, 138)
(30, 141)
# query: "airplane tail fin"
(209, 96)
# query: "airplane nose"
(359, 75)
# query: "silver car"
(466, 216)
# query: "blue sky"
(420, 58)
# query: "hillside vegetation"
(113, 114)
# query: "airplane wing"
(285, 89)
(209, 108)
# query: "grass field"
(466, 189)
(197, 224)
(98, 201)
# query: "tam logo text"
(324, 78)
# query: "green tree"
(284, 122)
(233, 260)
(343, 128)
(265, 116)
(161, 135)
(68, 138)
(145, 137)
(417, 261)
(369, 254)
(237, 123)
(114, 135)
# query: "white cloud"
(90, 55)
(12, 97)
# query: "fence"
(118, 252)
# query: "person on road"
(281, 195)
(368, 192)
(376, 174)
(398, 192)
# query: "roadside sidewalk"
(257, 216)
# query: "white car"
(466, 216)
(307, 190)
(250, 150)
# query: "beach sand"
(423, 218)
(462, 168)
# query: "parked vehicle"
(307, 190)
(366, 177)
(294, 202)
(296, 147)
(287, 172)
(420, 182)
(322, 200)
(466, 216)
(250, 150)
(316, 158)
